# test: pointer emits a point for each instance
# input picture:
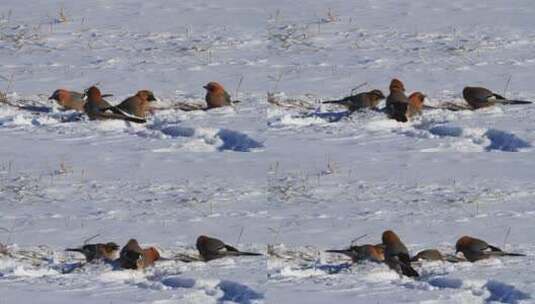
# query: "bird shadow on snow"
(284, 120)
(220, 139)
(330, 116)
(489, 139)
(237, 292)
(505, 141)
(209, 139)
(499, 291)
(499, 140)
(334, 268)
(232, 291)
(504, 293)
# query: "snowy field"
(256, 174)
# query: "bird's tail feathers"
(513, 254)
(515, 102)
(249, 253)
(498, 251)
(342, 251)
(428, 107)
(74, 249)
(340, 101)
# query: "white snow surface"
(255, 174)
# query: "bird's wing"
(404, 258)
(497, 96)
(493, 248)
(122, 117)
(229, 248)
(405, 263)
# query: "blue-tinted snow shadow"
(499, 140)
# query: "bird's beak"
(206, 87)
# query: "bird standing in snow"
(132, 256)
(428, 255)
(107, 252)
(69, 100)
(416, 105)
(97, 108)
(397, 101)
(365, 100)
(397, 255)
(475, 249)
(478, 97)
(139, 104)
(367, 252)
(435, 255)
(216, 96)
(404, 112)
(211, 249)
(95, 105)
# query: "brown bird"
(150, 255)
(95, 104)
(211, 249)
(132, 256)
(416, 104)
(475, 249)
(97, 108)
(216, 96)
(139, 104)
(69, 100)
(100, 251)
(397, 93)
(365, 100)
(397, 255)
(367, 252)
(435, 255)
(404, 112)
(478, 97)
(428, 255)
(397, 101)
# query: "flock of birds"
(132, 256)
(403, 108)
(390, 251)
(399, 106)
(134, 108)
(395, 254)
